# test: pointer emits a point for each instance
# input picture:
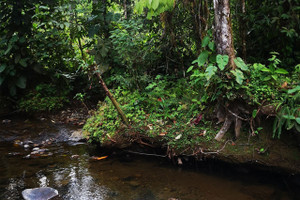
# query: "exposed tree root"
(231, 114)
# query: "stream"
(70, 167)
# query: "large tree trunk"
(223, 30)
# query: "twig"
(234, 114)
(216, 152)
(146, 154)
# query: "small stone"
(6, 121)
(26, 146)
(44, 193)
(27, 156)
(75, 156)
(35, 149)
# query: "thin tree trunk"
(242, 26)
(113, 100)
(223, 30)
(125, 8)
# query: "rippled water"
(114, 178)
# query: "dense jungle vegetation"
(183, 71)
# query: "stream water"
(68, 167)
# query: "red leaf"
(197, 120)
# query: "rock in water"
(44, 193)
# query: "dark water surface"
(69, 169)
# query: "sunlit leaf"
(155, 4)
(210, 71)
(222, 61)
(239, 76)
(190, 68)
(241, 64)
(296, 89)
(281, 71)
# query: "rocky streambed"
(41, 153)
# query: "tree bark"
(242, 27)
(223, 30)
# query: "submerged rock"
(44, 193)
(77, 136)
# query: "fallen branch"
(109, 94)
(145, 154)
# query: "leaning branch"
(111, 97)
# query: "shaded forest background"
(161, 59)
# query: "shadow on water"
(70, 170)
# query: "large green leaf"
(21, 82)
(298, 120)
(281, 71)
(241, 64)
(210, 71)
(202, 58)
(155, 4)
(222, 61)
(205, 41)
(239, 76)
(291, 91)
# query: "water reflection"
(80, 178)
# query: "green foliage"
(43, 98)
(163, 109)
(155, 7)
(273, 25)
(289, 114)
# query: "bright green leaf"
(289, 117)
(281, 71)
(190, 68)
(155, 4)
(239, 76)
(241, 64)
(222, 61)
(291, 91)
(210, 71)
(297, 119)
(254, 113)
